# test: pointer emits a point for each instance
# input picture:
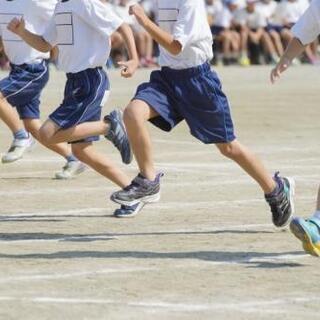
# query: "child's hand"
(128, 68)
(281, 67)
(16, 26)
(137, 11)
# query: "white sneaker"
(18, 148)
(70, 170)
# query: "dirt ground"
(208, 250)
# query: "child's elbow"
(175, 48)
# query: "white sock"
(317, 214)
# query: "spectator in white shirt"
(227, 40)
(252, 30)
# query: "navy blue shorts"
(273, 27)
(22, 88)
(194, 95)
(217, 30)
(83, 96)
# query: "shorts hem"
(215, 141)
(167, 128)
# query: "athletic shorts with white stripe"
(22, 88)
(84, 97)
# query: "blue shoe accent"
(308, 232)
(117, 134)
(281, 201)
(128, 211)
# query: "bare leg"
(275, 36)
(248, 162)
(135, 117)
(149, 45)
(9, 115)
(34, 125)
(86, 153)
(244, 34)
(53, 134)
(268, 44)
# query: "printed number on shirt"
(168, 14)
(7, 35)
(64, 25)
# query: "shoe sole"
(133, 214)
(148, 199)
(28, 150)
(292, 186)
(123, 127)
(307, 244)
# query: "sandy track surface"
(206, 251)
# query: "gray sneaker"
(140, 190)
(117, 134)
(18, 148)
(70, 170)
(281, 203)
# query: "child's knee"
(132, 115)
(230, 150)
(44, 135)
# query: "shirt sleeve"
(187, 25)
(51, 34)
(100, 16)
(308, 26)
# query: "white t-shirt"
(267, 9)
(37, 15)
(308, 26)
(81, 29)
(289, 12)
(187, 21)
(253, 20)
(222, 16)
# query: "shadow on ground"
(250, 259)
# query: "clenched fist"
(137, 11)
(17, 26)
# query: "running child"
(186, 89)
(305, 31)
(81, 29)
(22, 87)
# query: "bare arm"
(54, 54)
(163, 38)
(17, 26)
(294, 49)
(129, 67)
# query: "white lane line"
(55, 190)
(252, 306)
(66, 275)
(73, 212)
(157, 206)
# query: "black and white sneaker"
(128, 211)
(117, 134)
(281, 203)
(140, 190)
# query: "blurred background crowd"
(245, 32)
